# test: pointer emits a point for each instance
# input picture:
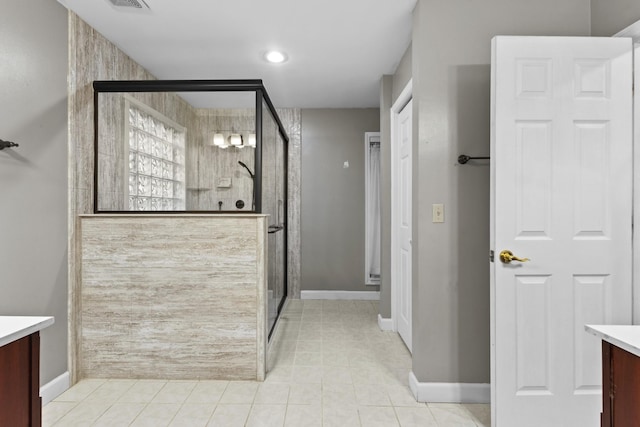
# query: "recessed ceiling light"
(275, 57)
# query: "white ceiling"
(338, 49)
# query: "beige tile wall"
(290, 118)
(111, 139)
(172, 297)
(209, 164)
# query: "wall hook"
(463, 158)
(7, 144)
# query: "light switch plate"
(438, 212)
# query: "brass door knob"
(507, 256)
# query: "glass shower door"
(274, 200)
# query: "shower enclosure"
(194, 146)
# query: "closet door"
(401, 219)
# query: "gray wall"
(402, 74)
(610, 16)
(332, 200)
(451, 87)
(386, 102)
(33, 177)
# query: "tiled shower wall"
(111, 135)
(290, 118)
(208, 164)
(92, 57)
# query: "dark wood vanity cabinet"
(20, 403)
(620, 387)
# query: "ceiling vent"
(130, 5)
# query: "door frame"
(398, 105)
(369, 139)
(492, 244)
(633, 31)
(635, 238)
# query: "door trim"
(633, 31)
(398, 105)
(492, 241)
(369, 139)
(635, 221)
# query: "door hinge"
(491, 256)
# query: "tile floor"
(329, 365)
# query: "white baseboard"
(341, 295)
(54, 388)
(385, 324)
(449, 392)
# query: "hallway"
(330, 365)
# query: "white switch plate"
(438, 212)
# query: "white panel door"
(561, 195)
(403, 196)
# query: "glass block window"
(156, 147)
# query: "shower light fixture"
(251, 140)
(218, 139)
(233, 138)
(275, 57)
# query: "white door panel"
(403, 189)
(561, 196)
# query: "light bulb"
(218, 139)
(251, 140)
(235, 139)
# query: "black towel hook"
(463, 158)
(7, 144)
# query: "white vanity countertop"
(12, 328)
(627, 337)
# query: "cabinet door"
(20, 403)
(621, 387)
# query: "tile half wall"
(172, 297)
